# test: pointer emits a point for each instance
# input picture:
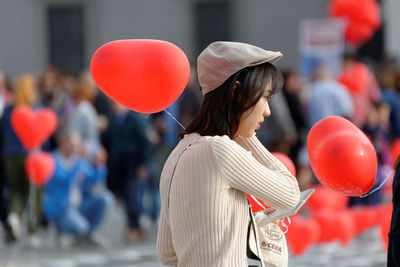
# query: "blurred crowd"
(107, 155)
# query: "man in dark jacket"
(129, 151)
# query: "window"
(66, 37)
(212, 22)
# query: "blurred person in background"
(49, 96)
(83, 119)
(293, 92)
(49, 88)
(328, 97)
(190, 100)
(100, 101)
(278, 132)
(160, 152)
(68, 83)
(377, 128)
(363, 100)
(14, 158)
(9, 235)
(129, 151)
(75, 199)
(296, 92)
(390, 89)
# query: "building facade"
(66, 33)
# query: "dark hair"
(222, 108)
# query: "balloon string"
(174, 118)
(380, 186)
(286, 225)
(258, 203)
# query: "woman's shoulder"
(213, 141)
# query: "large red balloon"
(286, 161)
(33, 127)
(39, 167)
(362, 17)
(144, 75)
(341, 156)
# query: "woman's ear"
(235, 87)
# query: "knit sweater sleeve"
(165, 249)
(260, 153)
(258, 174)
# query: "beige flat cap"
(220, 60)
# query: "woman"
(204, 214)
(84, 118)
(14, 158)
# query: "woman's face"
(252, 119)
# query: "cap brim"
(271, 60)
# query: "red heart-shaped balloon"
(302, 234)
(33, 127)
(40, 167)
(364, 218)
(384, 216)
(144, 75)
(346, 225)
(324, 198)
(335, 226)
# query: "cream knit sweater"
(207, 219)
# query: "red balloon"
(49, 118)
(362, 17)
(335, 226)
(384, 227)
(302, 234)
(286, 161)
(343, 159)
(32, 127)
(346, 224)
(366, 12)
(324, 198)
(39, 167)
(357, 33)
(144, 75)
(364, 218)
(355, 78)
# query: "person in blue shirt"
(328, 97)
(75, 199)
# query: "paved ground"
(366, 250)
